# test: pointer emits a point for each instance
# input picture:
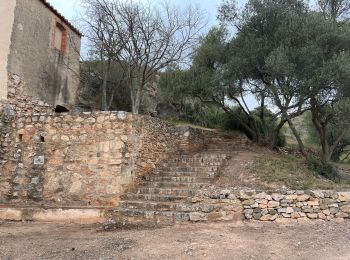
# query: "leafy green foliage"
(288, 56)
(299, 60)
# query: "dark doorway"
(61, 109)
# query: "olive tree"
(295, 59)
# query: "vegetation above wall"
(292, 58)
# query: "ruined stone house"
(90, 167)
(39, 48)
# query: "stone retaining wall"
(85, 159)
(69, 159)
(156, 140)
(271, 206)
(325, 205)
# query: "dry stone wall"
(71, 159)
(324, 205)
(277, 206)
(222, 208)
(6, 117)
(281, 207)
(18, 104)
(21, 102)
(85, 159)
(158, 140)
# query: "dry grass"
(291, 172)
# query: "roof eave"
(52, 9)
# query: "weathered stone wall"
(274, 206)
(224, 207)
(68, 159)
(7, 147)
(21, 102)
(324, 205)
(6, 118)
(86, 159)
(16, 106)
(50, 75)
(157, 140)
(194, 140)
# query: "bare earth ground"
(193, 241)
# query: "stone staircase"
(164, 197)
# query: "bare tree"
(103, 43)
(338, 10)
(141, 38)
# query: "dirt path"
(236, 173)
(198, 241)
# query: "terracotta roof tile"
(52, 9)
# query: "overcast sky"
(70, 8)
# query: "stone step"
(208, 174)
(234, 147)
(227, 149)
(153, 178)
(144, 218)
(148, 205)
(190, 169)
(208, 157)
(152, 197)
(205, 156)
(221, 142)
(55, 214)
(164, 191)
(221, 145)
(193, 164)
(156, 206)
(165, 206)
(164, 197)
(169, 185)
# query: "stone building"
(41, 49)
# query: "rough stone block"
(248, 202)
(322, 216)
(312, 215)
(197, 216)
(302, 198)
(268, 217)
(291, 197)
(344, 196)
(273, 204)
(341, 215)
(345, 209)
(10, 214)
(313, 202)
(295, 215)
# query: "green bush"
(330, 171)
(206, 116)
(281, 139)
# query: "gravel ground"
(191, 241)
